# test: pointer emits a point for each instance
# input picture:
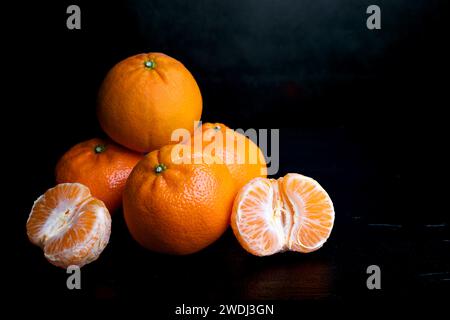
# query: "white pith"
(299, 216)
(61, 219)
(273, 217)
(88, 250)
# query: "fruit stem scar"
(217, 127)
(160, 168)
(99, 148)
(150, 64)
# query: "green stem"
(150, 64)
(99, 148)
(160, 168)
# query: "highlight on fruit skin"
(101, 165)
(69, 225)
(293, 213)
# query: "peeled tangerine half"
(292, 213)
(70, 225)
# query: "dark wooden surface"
(413, 260)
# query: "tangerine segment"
(291, 213)
(70, 225)
(312, 212)
(256, 219)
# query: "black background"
(357, 110)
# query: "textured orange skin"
(103, 173)
(181, 210)
(240, 172)
(140, 107)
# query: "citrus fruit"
(70, 225)
(174, 205)
(144, 98)
(243, 158)
(102, 166)
(292, 213)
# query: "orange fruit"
(173, 205)
(100, 165)
(291, 213)
(70, 225)
(144, 98)
(243, 158)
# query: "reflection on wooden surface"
(294, 280)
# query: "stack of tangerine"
(177, 198)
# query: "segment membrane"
(259, 223)
(313, 213)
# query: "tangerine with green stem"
(102, 166)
